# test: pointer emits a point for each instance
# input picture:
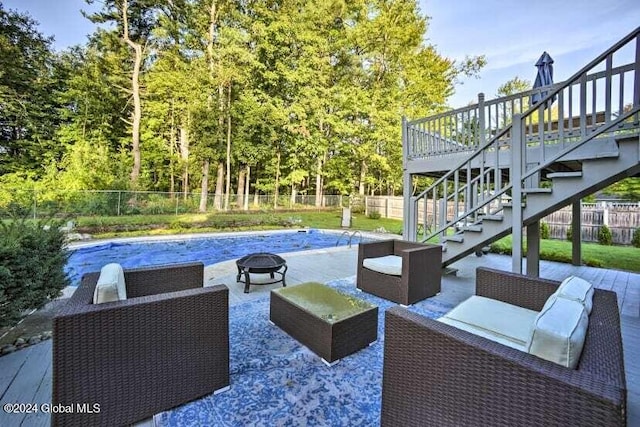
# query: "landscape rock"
(6, 349)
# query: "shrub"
(544, 230)
(604, 236)
(569, 234)
(32, 259)
(635, 240)
(374, 215)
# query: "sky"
(512, 34)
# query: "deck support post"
(410, 217)
(516, 193)
(533, 249)
(576, 233)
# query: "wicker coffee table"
(331, 324)
(261, 263)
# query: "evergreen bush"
(635, 240)
(545, 232)
(374, 215)
(32, 260)
(604, 236)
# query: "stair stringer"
(597, 174)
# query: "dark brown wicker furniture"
(331, 324)
(421, 271)
(437, 375)
(261, 263)
(167, 344)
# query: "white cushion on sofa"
(110, 286)
(495, 320)
(390, 264)
(577, 289)
(559, 331)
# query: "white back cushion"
(390, 264)
(577, 289)
(559, 331)
(110, 286)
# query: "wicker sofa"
(421, 271)
(166, 344)
(436, 374)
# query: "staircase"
(514, 163)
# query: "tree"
(513, 86)
(134, 21)
(28, 83)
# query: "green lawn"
(595, 255)
(121, 226)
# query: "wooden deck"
(25, 376)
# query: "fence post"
(118, 207)
(386, 207)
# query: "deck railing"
(508, 146)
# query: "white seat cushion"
(577, 289)
(390, 264)
(110, 286)
(559, 332)
(495, 320)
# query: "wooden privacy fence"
(621, 218)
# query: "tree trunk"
(292, 200)
(204, 189)
(363, 174)
(256, 198)
(277, 183)
(319, 183)
(184, 155)
(228, 181)
(172, 145)
(246, 190)
(135, 92)
(217, 200)
(240, 192)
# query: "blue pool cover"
(208, 250)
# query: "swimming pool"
(208, 250)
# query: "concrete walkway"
(25, 376)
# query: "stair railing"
(542, 135)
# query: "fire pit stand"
(261, 263)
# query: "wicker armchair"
(437, 375)
(166, 344)
(421, 271)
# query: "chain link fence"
(38, 204)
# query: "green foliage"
(544, 230)
(28, 82)
(635, 241)
(627, 189)
(569, 234)
(604, 236)
(302, 93)
(513, 86)
(32, 259)
(374, 215)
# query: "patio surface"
(25, 376)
